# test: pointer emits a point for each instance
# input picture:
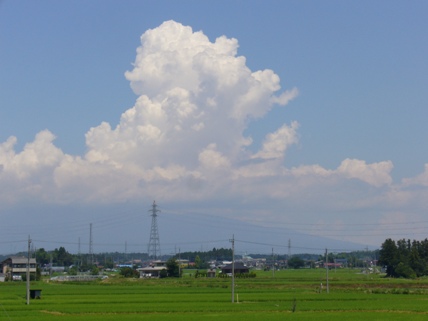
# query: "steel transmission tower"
(154, 244)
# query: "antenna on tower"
(154, 245)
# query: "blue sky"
(309, 117)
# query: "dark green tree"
(198, 262)
(405, 271)
(163, 274)
(296, 262)
(95, 270)
(405, 258)
(62, 257)
(128, 272)
(42, 257)
(172, 268)
(108, 263)
(389, 257)
(416, 263)
(73, 270)
(403, 249)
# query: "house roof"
(152, 269)
(20, 260)
(238, 266)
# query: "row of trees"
(202, 259)
(404, 258)
(354, 259)
(61, 257)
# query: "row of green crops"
(295, 294)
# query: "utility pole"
(91, 255)
(233, 268)
(126, 252)
(273, 265)
(326, 266)
(367, 262)
(28, 271)
(78, 254)
(179, 263)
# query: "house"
(343, 262)
(333, 265)
(183, 263)
(153, 270)
(53, 269)
(16, 266)
(239, 268)
(211, 273)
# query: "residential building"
(153, 270)
(16, 266)
(239, 267)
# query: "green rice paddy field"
(289, 294)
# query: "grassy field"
(290, 294)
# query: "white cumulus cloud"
(376, 174)
(276, 143)
(185, 138)
(421, 179)
(194, 94)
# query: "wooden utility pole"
(326, 266)
(233, 268)
(28, 271)
(273, 265)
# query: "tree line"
(404, 258)
(201, 259)
(61, 257)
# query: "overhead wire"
(50, 232)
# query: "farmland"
(287, 294)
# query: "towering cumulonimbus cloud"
(195, 96)
(186, 131)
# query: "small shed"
(36, 294)
(211, 273)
